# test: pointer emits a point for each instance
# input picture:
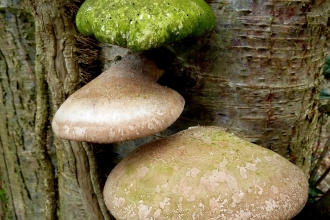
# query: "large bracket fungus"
(142, 25)
(204, 173)
(123, 103)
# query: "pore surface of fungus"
(123, 103)
(141, 25)
(204, 173)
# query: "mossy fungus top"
(142, 25)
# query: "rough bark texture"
(257, 73)
(30, 93)
(56, 39)
(27, 174)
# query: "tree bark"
(79, 191)
(35, 187)
(27, 174)
(257, 73)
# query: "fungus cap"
(123, 103)
(204, 173)
(141, 25)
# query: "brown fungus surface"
(123, 103)
(204, 173)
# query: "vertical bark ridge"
(5, 150)
(57, 42)
(21, 163)
(46, 173)
(95, 180)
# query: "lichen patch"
(274, 189)
(157, 213)
(144, 211)
(224, 163)
(243, 172)
(141, 172)
(79, 131)
(117, 202)
(154, 124)
(66, 129)
(164, 203)
(270, 205)
(193, 172)
(251, 167)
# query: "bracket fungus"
(123, 103)
(204, 173)
(142, 25)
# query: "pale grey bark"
(257, 73)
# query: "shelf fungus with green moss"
(204, 173)
(142, 25)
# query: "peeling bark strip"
(258, 73)
(56, 37)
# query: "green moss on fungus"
(142, 25)
(204, 173)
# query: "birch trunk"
(257, 73)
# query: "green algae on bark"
(142, 25)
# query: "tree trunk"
(26, 170)
(37, 188)
(256, 74)
(79, 191)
